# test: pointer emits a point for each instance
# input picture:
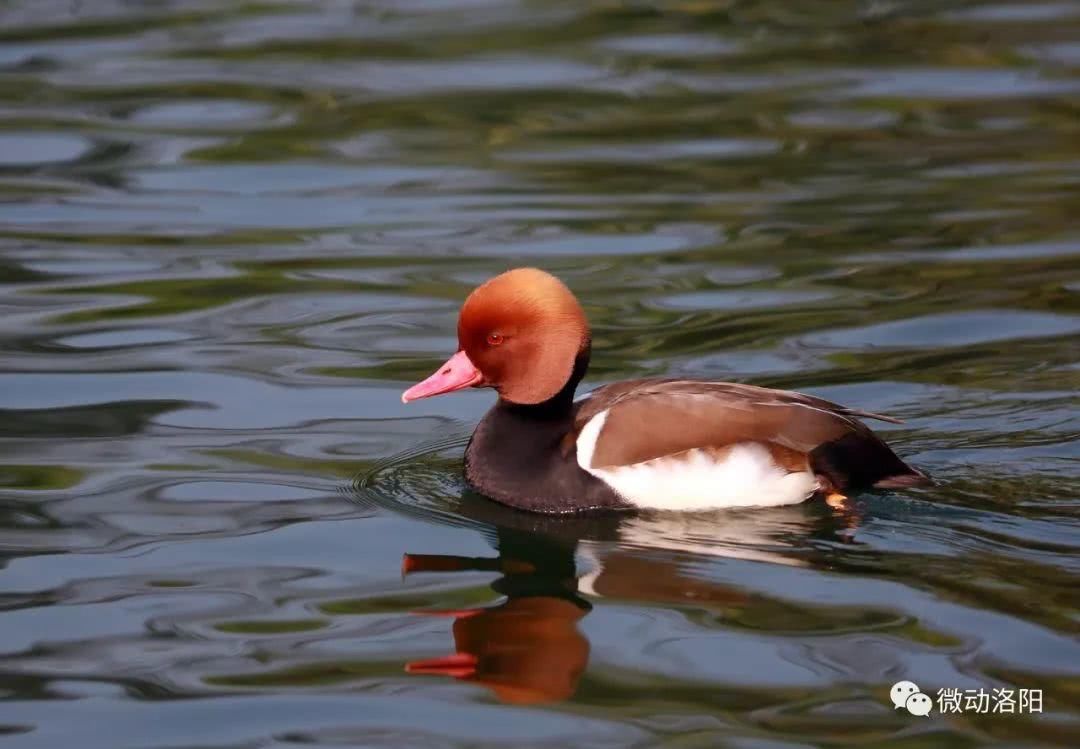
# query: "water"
(232, 233)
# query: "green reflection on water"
(870, 199)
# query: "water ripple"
(231, 234)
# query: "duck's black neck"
(560, 404)
(518, 455)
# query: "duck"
(658, 444)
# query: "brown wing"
(649, 419)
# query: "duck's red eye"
(494, 339)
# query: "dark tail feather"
(860, 460)
(904, 480)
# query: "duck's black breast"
(519, 456)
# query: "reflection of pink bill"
(1002, 700)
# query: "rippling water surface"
(232, 232)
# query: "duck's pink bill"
(459, 666)
(458, 373)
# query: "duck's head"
(521, 333)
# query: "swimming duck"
(661, 444)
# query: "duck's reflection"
(529, 648)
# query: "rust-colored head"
(519, 333)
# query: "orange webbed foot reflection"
(836, 500)
(526, 650)
(847, 513)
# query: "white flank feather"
(744, 476)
